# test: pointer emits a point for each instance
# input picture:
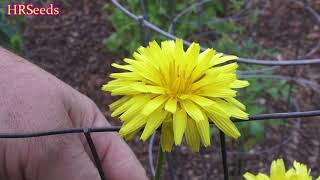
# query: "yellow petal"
(155, 53)
(126, 76)
(136, 123)
(191, 58)
(132, 135)
(223, 59)
(221, 81)
(171, 105)
(131, 61)
(136, 108)
(193, 52)
(215, 92)
(124, 67)
(119, 102)
(233, 110)
(115, 84)
(148, 88)
(204, 131)
(249, 176)
(144, 68)
(222, 120)
(124, 106)
(193, 110)
(153, 122)
(201, 101)
(228, 68)
(262, 176)
(235, 102)
(179, 125)
(168, 49)
(203, 64)
(239, 84)
(192, 135)
(124, 90)
(152, 105)
(166, 140)
(178, 52)
(277, 169)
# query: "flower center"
(178, 82)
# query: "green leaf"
(237, 4)
(107, 7)
(274, 93)
(257, 130)
(113, 42)
(255, 109)
(218, 6)
(15, 41)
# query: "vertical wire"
(199, 10)
(299, 42)
(94, 153)
(143, 29)
(224, 155)
(171, 15)
(143, 9)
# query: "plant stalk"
(159, 164)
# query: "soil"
(70, 46)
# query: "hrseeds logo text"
(30, 9)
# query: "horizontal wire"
(59, 131)
(284, 115)
(240, 60)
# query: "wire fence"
(144, 25)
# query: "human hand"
(32, 100)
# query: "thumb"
(118, 160)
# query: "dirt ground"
(70, 46)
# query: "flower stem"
(159, 164)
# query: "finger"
(66, 159)
(117, 158)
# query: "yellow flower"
(177, 90)
(278, 172)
